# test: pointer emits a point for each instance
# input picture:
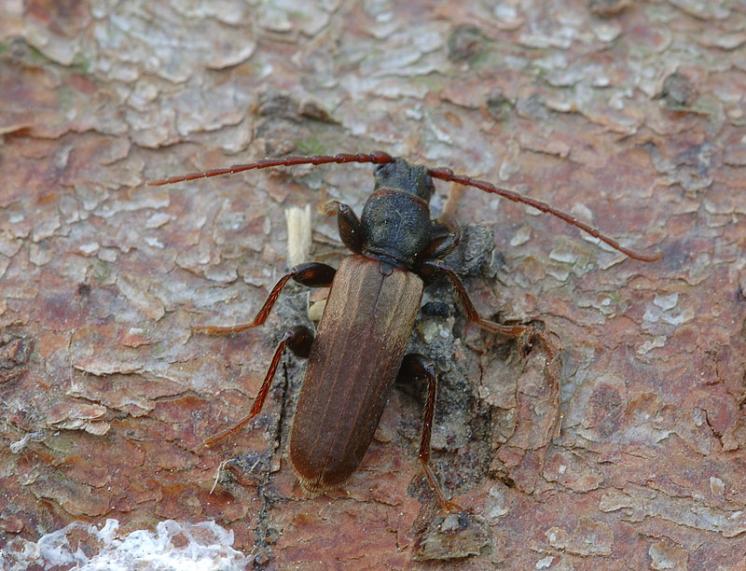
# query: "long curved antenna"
(380, 158)
(448, 175)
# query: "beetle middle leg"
(299, 340)
(415, 366)
(527, 334)
(312, 274)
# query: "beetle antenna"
(449, 176)
(378, 158)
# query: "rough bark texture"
(628, 114)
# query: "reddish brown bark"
(629, 115)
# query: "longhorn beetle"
(358, 350)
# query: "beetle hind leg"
(415, 366)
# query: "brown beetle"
(358, 351)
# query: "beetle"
(358, 350)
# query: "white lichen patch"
(580, 210)
(666, 302)
(717, 486)
(40, 254)
(650, 344)
(607, 304)
(139, 202)
(665, 556)
(108, 255)
(522, 236)
(496, 506)
(153, 242)
(172, 546)
(19, 445)
(589, 538)
(663, 309)
(157, 220)
(137, 294)
(89, 248)
(638, 502)
(563, 256)
(224, 273)
(9, 246)
(607, 32)
(430, 329)
(560, 274)
(46, 228)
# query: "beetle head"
(400, 175)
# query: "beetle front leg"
(415, 366)
(348, 224)
(312, 274)
(443, 240)
(299, 340)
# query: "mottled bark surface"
(631, 115)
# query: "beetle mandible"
(374, 299)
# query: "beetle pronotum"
(374, 299)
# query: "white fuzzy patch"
(201, 546)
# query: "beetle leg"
(443, 240)
(348, 224)
(528, 334)
(471, 312)
(313, 274)
(298, 340)
(415, 366)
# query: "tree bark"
(629, 115)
